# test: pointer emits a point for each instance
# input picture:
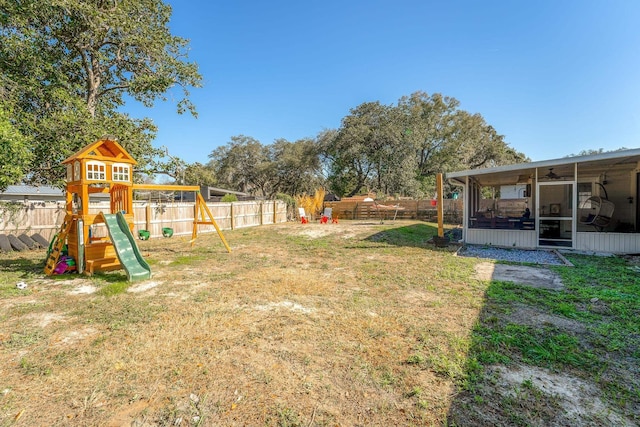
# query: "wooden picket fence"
(45, 218)
(425, 210)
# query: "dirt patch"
(524, 315)
(344, 230)
(142, 287)
(580, 400)
(45, 319)
(287, 305)
(317, 232)
(83, 290)
(537, 277)
(68, 338)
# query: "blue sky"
(553, 77)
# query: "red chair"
(303, 216)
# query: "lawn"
(349, 324)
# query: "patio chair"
(326, 216)
(303, 216)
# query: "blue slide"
(126, 247)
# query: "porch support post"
(440, 210)
(574, 219)
(537, 211)
(465, 208)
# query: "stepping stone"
(537, 277)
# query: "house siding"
(506, 238)
(608, 242)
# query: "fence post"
(261, 213)
(275, 211)
(147, 218)
(231, 214)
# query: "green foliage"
(16, 153)
(199, 174)
(23, 339)
(243, 164)
(68, 67)
(398, 149)
(297, 167)
(290, 201)
(247, 165)
(390, 149)
(229, 198)
(539, 347)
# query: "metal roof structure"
(520, 172)
(29, 190)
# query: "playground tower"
(101, 167)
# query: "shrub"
(229, 198)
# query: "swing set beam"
(202, 213)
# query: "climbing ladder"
(56, 249)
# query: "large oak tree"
(398, 149)
(69, 66)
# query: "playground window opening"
(96, 171)
(120, 172)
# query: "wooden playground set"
(106, 167)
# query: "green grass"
(18, 270)
(112, 289)
(602, 297)
(545, 347)
(24, 338)
(413, 235)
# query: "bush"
(229, 198)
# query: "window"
(120, 172)
(585, 190)
(69, 172)
(96, 171)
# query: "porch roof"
(522, 172)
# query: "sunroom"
(586, 203)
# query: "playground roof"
(103, 149)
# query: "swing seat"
(144, 234)
(167, 232)
(600, 213)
